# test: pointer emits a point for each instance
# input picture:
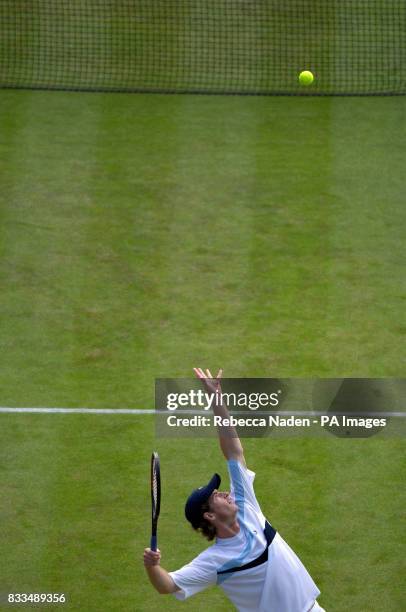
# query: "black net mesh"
(353, 47)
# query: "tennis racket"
(155, 497)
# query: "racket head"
(155, 495)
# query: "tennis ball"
(306, 77)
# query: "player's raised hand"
(211, 384)
(151, 557)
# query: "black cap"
(193, 508)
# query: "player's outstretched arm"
(157, 575)
(229, 441)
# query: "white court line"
(148, 411)
(79, 410)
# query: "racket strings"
(155, 490)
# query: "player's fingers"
(152, 553)
(148, 562)
(209, 374)
(220, 373)
(151, 557)
(147, 557)
(199, 373)
(156, 558)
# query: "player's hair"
(205, 527)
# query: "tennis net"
(353, 47)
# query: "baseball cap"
(193, 508)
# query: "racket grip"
(154, 542)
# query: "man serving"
(249, 560)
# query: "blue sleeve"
(242, 486)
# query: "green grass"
(75, 514)
(143, 235)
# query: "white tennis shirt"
(282, 584)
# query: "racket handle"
(154, 542)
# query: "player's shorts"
(317, 608)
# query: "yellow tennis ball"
(306, 77)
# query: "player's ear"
(209, 516)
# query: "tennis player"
(249, 560)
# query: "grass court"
(142, 235)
